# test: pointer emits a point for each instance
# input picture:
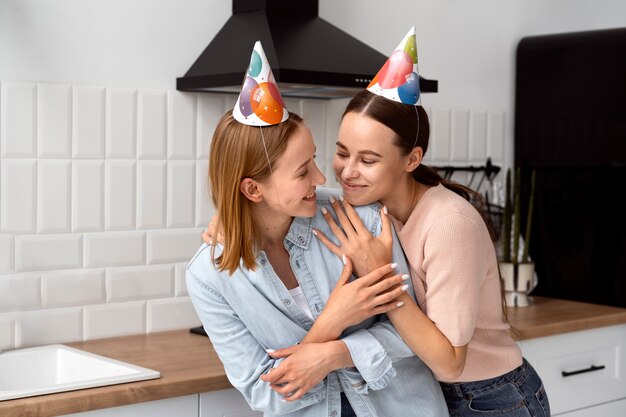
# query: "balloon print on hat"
(259, 102)
(398, 79)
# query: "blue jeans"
(519, 393)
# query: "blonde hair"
(237, 152)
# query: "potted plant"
(517, 271)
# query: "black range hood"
(310, 58)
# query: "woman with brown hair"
(457, 327)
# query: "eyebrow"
(364, 152)
(304, 163)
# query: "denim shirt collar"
(300, 232)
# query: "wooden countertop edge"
(109, 396)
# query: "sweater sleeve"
(455, 263)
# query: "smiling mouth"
(351, 187)
(309, 196)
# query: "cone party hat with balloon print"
(260, 102)
(398, 79)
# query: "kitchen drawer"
(612, 409)
(580, 369)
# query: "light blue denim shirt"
(251, 311)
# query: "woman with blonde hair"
(266, 282)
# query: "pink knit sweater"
(455, 274)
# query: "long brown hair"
(403, 120)
(238, 152)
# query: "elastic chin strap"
(267, 156)
(417, 132)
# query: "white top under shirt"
(300, 299)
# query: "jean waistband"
(463, 389)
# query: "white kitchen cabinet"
(584, 372)
(172, 407)
(612, 409)
(225, 403)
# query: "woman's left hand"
(365, 250)
(306, 366)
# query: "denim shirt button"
(333, 413)
(263, 262)
(287, 302)
(300, 240)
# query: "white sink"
(56, 368)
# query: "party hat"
(260, 102)
(398, 79)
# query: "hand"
(352, 302)
(306, 366)
(210, 235)
(356, 242)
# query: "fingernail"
(332, 199)
(393, 265)
(343, 259)
(405, 277)
(269, 350)
(405, 287)
(341, 197)
(400, 304)
(314, 232)
(385, 210)
(324, 211)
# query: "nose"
(349, 170)
(318, 178)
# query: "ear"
(250, 189)
(415, 159)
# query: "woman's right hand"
(211, 235)
(352, 302)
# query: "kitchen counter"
(189, 365)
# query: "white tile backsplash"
(6, 253)
(180, 289)
(181, 125)
(115, 249)
(151, 194)
(18, 120)
(104, 195)
(40, 252)
(173, 245)
(120, 194)
(49, 326)
(204, 205)
(121, 123)
(88, 122)
(495, 136)
(460, 136)
(87, 196)
(210, 109)
(170, 314)
(54, 121)
(20, 292)
(181, 193)
(152, 124)
(440, 128)
(7, 332)
(72, 288)
(53, 195)
(139, 282)
(114, 319)
(478, 137)
(18, 195)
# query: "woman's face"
(291, 187)
(367, 164)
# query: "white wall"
(103, 163)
